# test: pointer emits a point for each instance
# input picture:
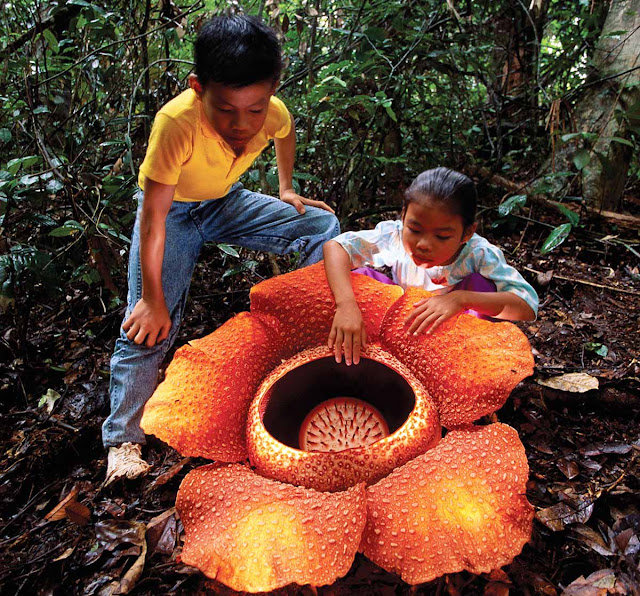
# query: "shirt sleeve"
(372, 248)
(170, 146)
(278, 123)
(493, 266)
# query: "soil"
(583, 447)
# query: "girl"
(433, 246)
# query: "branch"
(63, 15)
(620, 218)
(198, 5)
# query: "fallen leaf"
(496, 589)
(66, 554)
(555, 517)
(571, 382)
(544, 279)
(162, 533)
(623, 539)
(590, 464)
(78, 513)
(114, 533)
(170, 473)
(601, 583)
(58, 512)
(602, 448)
(131, 577)
(49, 399)
(592, 539)
(559, 516)
(569, 468)
(499, 584)
(540, 442)
(111, 534)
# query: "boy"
(201, 143)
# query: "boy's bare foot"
(125, 461)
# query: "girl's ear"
(403, 213)
(469, 231)
(195, 84)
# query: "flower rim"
(419, 432)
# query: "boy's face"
(236, 113)
(432, 235)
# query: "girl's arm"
(285, 157)
(430, 313)
(149, 321)
(348, 332)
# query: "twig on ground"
(586, 283)
(29, 503)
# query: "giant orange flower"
(345, 458)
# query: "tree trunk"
(600, 110)
(514, 90)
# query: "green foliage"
(26, 267)
(597, 348)
(512, 205)
(71, 109)
(556, 238)
(380, 92)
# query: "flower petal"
(200, 409)
(461, 505)
(300, 305)
(254, 534)
(469, 366)
(374, 299)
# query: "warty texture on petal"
(200, 408)
(300, 306)
(468, 365)
(460, 506)
(254, 534)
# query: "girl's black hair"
(455, 190)
(237, 51)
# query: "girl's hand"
(290, 196)
(148, 321)
(348, 333)
(430, 313)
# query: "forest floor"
(583, 447)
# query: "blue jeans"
(243, 218)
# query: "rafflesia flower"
(345, 458)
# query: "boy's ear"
(469, 231)
(195, 84)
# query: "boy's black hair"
(455, 190)
(237, 51)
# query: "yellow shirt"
(184, 149)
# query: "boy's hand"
(430, 313)
(293, 198)
(148, 321)
(347, 332)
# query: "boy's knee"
(332, 225)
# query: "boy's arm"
(149, 322)
(347, 329)
(431, 312)
(285, 157)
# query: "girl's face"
(432, 235)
